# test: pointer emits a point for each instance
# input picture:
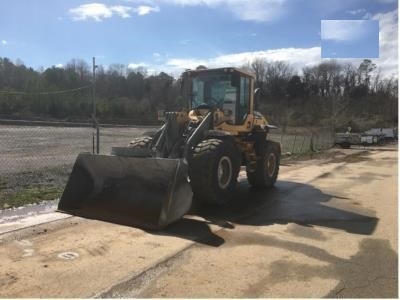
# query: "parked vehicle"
(346, 139)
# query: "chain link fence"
(36, 159)
(302, 143)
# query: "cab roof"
(216, 70)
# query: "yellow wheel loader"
(196, 153)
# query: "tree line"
(330, 93)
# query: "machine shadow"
(287, 202)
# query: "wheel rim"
(271, 164)
(224, 172)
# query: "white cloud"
(342, 30)
(4, 42)
(300, 57)
(158, 57)
(367, 16)
(297, 57)
(122, 11)
(96, 11)
(59, 66)
(388, 42)
(99, 11)
(255, 10)
(356, 11)
(145, 9)
(137, 65)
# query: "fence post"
(294, 144)
(302, 143)
(95, 124)
(312, 142)
(97, 139)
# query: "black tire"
(142, 142)
(138, 147)
(265, 171)
(213, 170)
(345, 145)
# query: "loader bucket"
(145, 192)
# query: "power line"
(45, 93)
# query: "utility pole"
(95, 125)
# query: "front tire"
(265, 171)
(213, 170)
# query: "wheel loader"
(197, 154)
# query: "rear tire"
(345, 145)
(213, 170)
(138, 147)
(266, 169)
(142, 142)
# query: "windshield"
(212, 90)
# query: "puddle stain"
(324, 175)
(368, 177)
(8, 279)
(352, 158)
(306, 232)
(370, 273)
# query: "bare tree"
(365, 69)
(79, 67)
(277, 77)
(119, 69)
(258, 67)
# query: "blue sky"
(350, 38)
(172, 35)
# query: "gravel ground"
(26, 148)
(38, 158)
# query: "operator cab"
(227, 89)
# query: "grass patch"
(3, 184)
(19, 189)
(29, 196)
(303, 156)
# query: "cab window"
(244, 99)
